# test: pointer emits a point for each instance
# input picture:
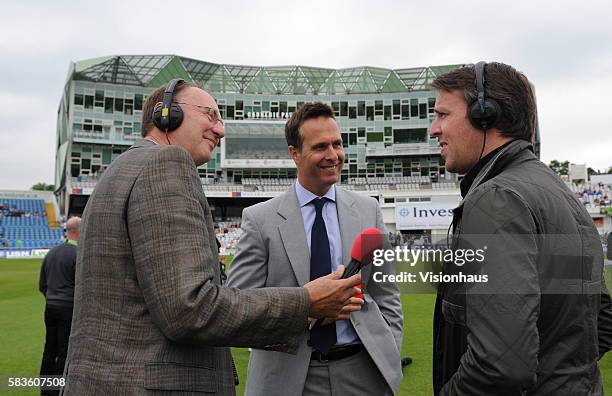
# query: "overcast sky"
(564, 48)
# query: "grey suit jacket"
(149, 313)
(273, 251)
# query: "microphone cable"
(484, 142)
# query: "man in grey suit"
(280, 239)
(150, 316)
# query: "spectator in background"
(585, 198)
(57, 285)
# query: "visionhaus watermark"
(413, 257)
(429, 277)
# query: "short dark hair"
(510, 89)
(154, 98)
(306, 112)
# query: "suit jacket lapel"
(294, 237)
(350, 225)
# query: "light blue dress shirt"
(344, 329)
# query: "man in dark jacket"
(543, 318)
(57, 285)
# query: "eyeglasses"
(213, 114)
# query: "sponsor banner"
(431, 216)
(21, 253)
(39, 252)
(24, 253)
(81, 191)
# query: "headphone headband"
(480, 81)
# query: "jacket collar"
(469, 177)
(140, 143)
(497, 164)
(305, 196)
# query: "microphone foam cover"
(365, 244)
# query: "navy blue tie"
(322, 338)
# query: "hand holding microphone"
(330, 294)
(362, 254)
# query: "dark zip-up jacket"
(543, 319)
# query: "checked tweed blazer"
(150, 316)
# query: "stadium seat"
(25, 220)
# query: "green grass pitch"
(22, 332)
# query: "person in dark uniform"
(57, 285)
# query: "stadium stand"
(228, 233)
(266, 182)
(223, 187)
(406, 183)
(390, 180)
(592, 195)
(597, 200)
(24, 224)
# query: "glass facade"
(384, 115)
(255, 127)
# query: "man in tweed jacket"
(150, 316)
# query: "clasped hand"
(333, 298)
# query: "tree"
(561, 168)
(43, 187)
(591, 171)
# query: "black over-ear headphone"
(167, 116)
(484, 113)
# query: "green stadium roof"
(155, 70)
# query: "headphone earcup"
(488, 119)
(158, 121)
(172, 122)
(175, 117)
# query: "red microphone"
(365, 244)
(362, 254)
